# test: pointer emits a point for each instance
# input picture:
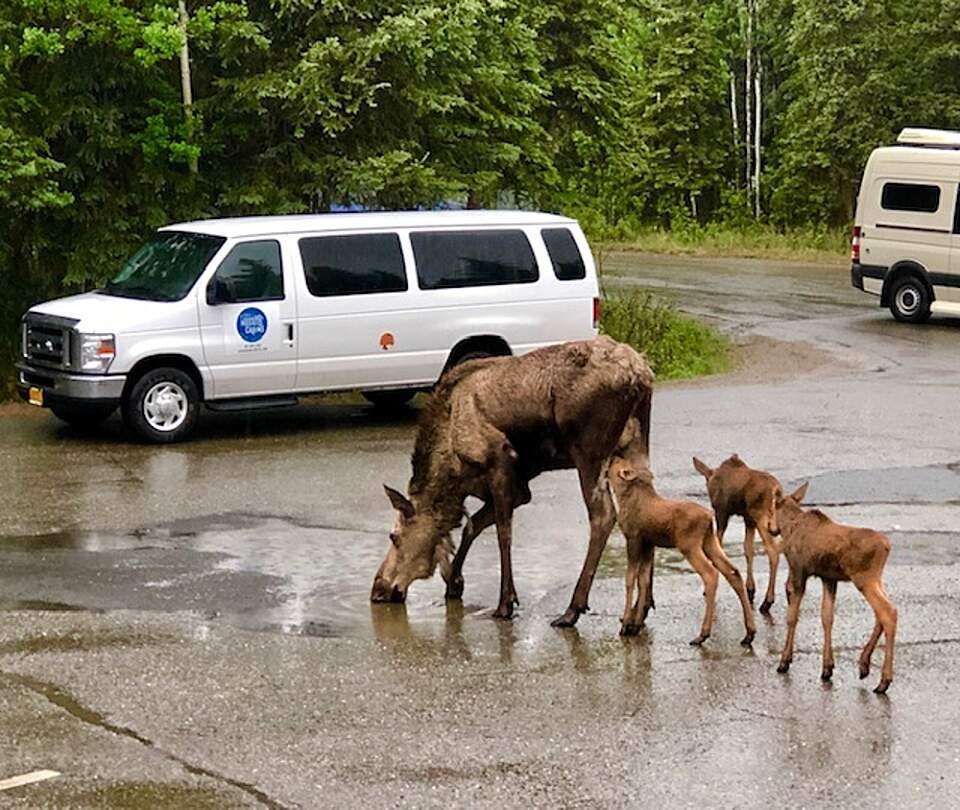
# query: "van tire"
(82, 415)
(389, 400)
(910, 299)
(474, 355)
(162, 406)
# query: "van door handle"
(289, 338)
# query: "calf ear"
(701, 468)
(399, 501)
(801, 492)
(627, 473)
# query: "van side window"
(353, 265)
(564, 254)
(910, 197)
(473, 258)
(252, 271)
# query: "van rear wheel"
(910, 300)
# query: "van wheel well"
(491, 345)
(179, 361)
(897, 272)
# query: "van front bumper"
(60, 385)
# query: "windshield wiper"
(135, 291)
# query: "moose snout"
(385, 591)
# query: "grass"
(822, 245)
(677, 346)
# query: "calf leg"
(502, 489)
(827, 610)
(886, 615)
(773, 557)
(638, 570)
(748, 533)
(602, 518)
(710, 576)
(716, 555)
(485, 516)
(795, 589)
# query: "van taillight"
(855, 245)
(596, 312)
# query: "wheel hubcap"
(165, 406)
(908, 300)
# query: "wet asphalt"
(190, 627)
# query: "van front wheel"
(910, 300)
(162, 406)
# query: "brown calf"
(647, 520)
(815, 546)
(736, 489)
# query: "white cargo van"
(250, 312)
(906, 235)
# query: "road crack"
(63, 700)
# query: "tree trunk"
(185, 83)
(748, 106)
(756, 141)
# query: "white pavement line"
(27, 779)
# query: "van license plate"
(36, 396)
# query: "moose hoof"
(827, 674)
(568, 619)
(629, 629)
(882, 687)
(783, 667)
(864, 670)
(698, 641)
(765, 606)
(747, 640)
(455, 588)
(751, 592)
(504, 612)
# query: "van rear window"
(564, 254)
(473, 258)
(353, 265)
(910, 197)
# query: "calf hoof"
(568, 619)
(629, 629)
(751, 592)
(747, 640)
(882, 686)
(455, 588)
(765, 606)
(698, 641)
(864, 670)
(827, 674)
(783, 667)
(504, 612)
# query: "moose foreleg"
(484, 517)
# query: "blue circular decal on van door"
(252, 324)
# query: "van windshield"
(166, 267)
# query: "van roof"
(299, 223)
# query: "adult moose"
(494, 424)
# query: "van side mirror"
(219, 292)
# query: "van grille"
(46, 340)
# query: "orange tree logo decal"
(386, 341)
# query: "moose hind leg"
(773, 558)
(710, 576)
(827, 611)
(603, 516)
(718, 557)
(749, 529)
(886, 615)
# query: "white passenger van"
(250, 312)
(906, 235)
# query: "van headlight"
(97, 352)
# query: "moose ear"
(702, 468)
(627, 473)
(399, 501)
(801, 492)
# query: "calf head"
(418, 543)
(624, 476)
(787, 507)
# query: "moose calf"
(647, 520)
(816, 546)
(736, 489)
